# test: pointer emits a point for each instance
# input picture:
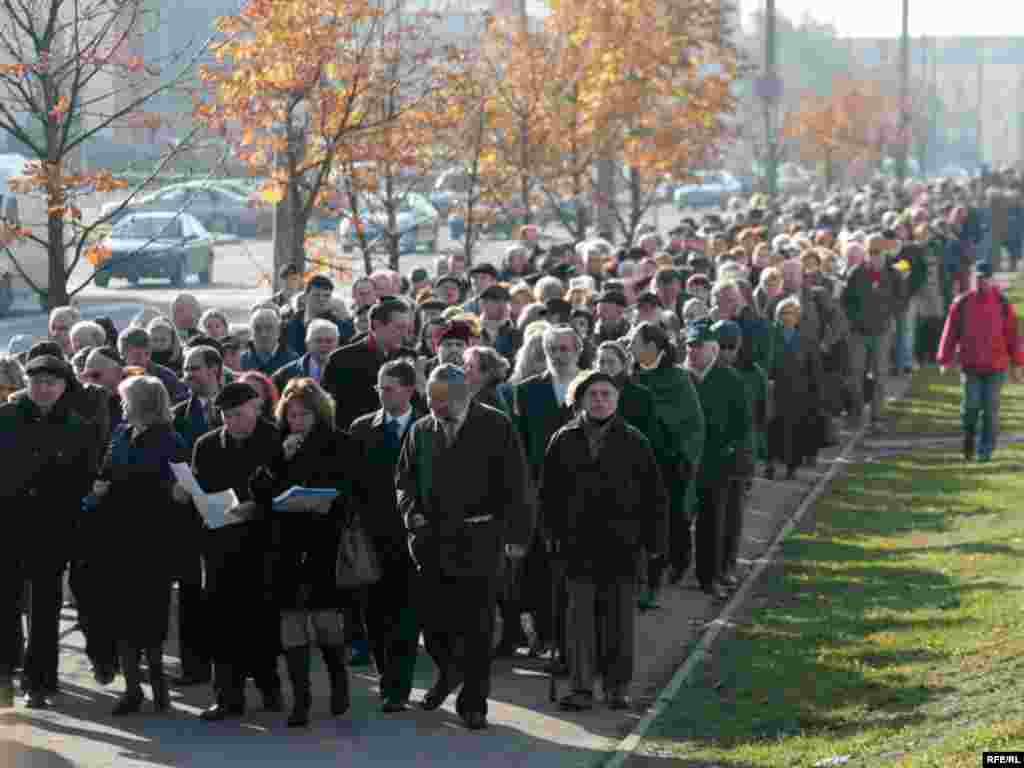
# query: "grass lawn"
(894, 632)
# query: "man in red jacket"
(982, 327)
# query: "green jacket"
(681, 426)
(755, 382)
(728, 422)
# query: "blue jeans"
(982, 393)
(906, 336)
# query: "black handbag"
(357, 564)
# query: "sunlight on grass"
(894, 633)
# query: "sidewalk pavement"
(525, 728)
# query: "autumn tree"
(836, 130)
(307, 81)
(69, 70)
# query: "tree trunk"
(57, 293)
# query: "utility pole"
(904, 135)
(1020, 123)
(770, 95)
(979, 130)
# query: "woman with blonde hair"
(530, 359)
(300, 566)
(165, 344)
(138, 538)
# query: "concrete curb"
(625, 749)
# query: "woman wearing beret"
(604, 504)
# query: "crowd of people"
(532, 450)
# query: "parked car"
(711, 188)
(417, 221)
(220, 208)
(157, 244)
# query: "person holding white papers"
(304, 542)
(242, 626)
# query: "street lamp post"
(904, 134)
(770, 95)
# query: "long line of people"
(534, 449)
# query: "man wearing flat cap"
(603, 503)
(727, 423)
(448, 289)
(612, 322)
(243, 629)
(50, 458)
(481, 277)
(497, 329)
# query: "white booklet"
(215, 508)
(299, 499)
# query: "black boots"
(157, 679)
(334, 658)
(130, 702)
(969, 444)
(297, 660)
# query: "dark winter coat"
(869, 308)
(727, 424)
(795, 430)
(482, 473)
(377, 454)
(304, 547)
(49, 466)
(602, 512)
(139, 537)
(350, 376)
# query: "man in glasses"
(104, 368)
(755, 382)
(726, 454)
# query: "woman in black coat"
(301, 566)
(794, 433)
(138, 533)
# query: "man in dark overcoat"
(243, 630)
(466, 499)
(605, 504)
(203, 371)
(391, 619)
(351, 371)
(50, 461)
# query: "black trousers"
(392, 624)
(244, 629)
(732, 533)
(46, 578)
(100, 646)
(711, 505)
(193, 647)
(457, 614)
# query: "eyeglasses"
(91, 375)
(728, 347)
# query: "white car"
(417, 221)
(711, 188)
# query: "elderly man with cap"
(51, 455)
(755, 382)
(481, 277)
(497, 329)
(649, 309)
(243, 628)
(604, 504)
(466, 498)
(452, 341)
(448, 288)
(727, 423)
(981, 335)
(612, 322)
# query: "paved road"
(525, 730)
(237, 274)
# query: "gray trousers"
(600, 626)
(868, 354)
